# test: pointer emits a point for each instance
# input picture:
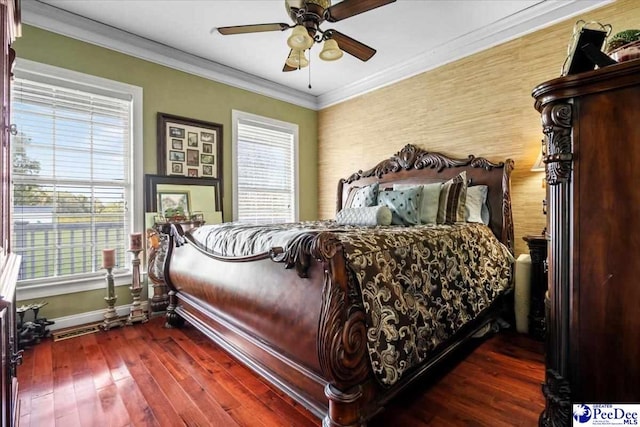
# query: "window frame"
(35, 71)
(267, 122)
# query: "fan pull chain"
(309, 68)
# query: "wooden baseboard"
(90, 317)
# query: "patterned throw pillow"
(404, 205)
(453, 197)
(430, 200)
(363, 197)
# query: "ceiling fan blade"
(257, 28)
(348, 8)
(351, 46)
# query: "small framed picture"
(192, 173)
(207, 137)
(176, 144)
(176, 156)
(192, 157)
(207, 170)
(176, 168)
(176, 132)
(585, 48)
(206, 159)
(175, 203)
(192, 140)
(207, 148)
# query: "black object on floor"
(30, 332)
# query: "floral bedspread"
(419, 285)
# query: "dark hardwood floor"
(146, 375)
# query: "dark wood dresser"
(591, 123)
(10, 21)
(10, 357)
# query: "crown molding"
(543, 14)
(56, 20)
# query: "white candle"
(108, 258)
(136, 242)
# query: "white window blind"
(265, 170)
(71, 175)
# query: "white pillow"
(430, 200)
(476, 207)
(367, 217)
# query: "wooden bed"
(306, 335)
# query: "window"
(265, 172)
(77, 176)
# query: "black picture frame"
(151, 183)
(174, 131)
(586, 50)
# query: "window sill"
(42, 290)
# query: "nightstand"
(538, 251)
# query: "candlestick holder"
(111, 319)
(137, 314)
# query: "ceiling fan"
(307, 15)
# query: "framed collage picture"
(189, 147)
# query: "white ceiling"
(410, 36)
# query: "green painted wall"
(175, 92)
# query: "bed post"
(344, 410)
(507, 217)
(342, 346)
(173, 319)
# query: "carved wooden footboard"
(342, 347)
(307, 335)
(316, 352)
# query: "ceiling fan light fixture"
(297, 59)
(330, 51)
(300, 38)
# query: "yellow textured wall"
(478, 105)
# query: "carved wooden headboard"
(413, 165)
